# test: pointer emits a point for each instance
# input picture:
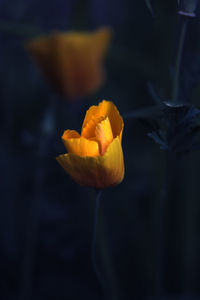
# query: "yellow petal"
(88, 131)
(79, 145)
(106, 109)
(96, 42)
(102, 39)
(99, 172)
(72, 61)
(104, 136)
(45, 50)
(78, 63)
(70, 134)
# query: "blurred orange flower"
(95, 158)
(73, 61)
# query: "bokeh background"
(35, 189)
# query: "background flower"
(72, 61)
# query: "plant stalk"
(178, 61)
(94, 239)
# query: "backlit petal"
(89, 130)
(106, 109)
(100, 171)
(104, 135)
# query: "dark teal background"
(143, 50)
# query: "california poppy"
(95, 158)
(73, 61)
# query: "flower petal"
(88, 131)
(78, 63)
(44, 51)
(104, 135)
(102, 39)
(99, 172)
(70, 134)
(106, 109)
(72, 61)
(79, 145)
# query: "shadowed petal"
(99, 172)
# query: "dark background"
(34, 188)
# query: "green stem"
(178, 61)
(30, 247)
(47, 130)
(79, 19)
(167, 205)
(161, 229)
(99, 192)
(32, 230)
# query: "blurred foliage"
(177, 129)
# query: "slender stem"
(169, 189)
(178, 61)
(108, 282)
(161, 232)
(32, 226)
(79, 14)
(99, 192)
(161, 222)
(28, 263)
(47, 130)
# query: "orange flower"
(95, 158)
(72, 62)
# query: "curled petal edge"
(106, 109)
